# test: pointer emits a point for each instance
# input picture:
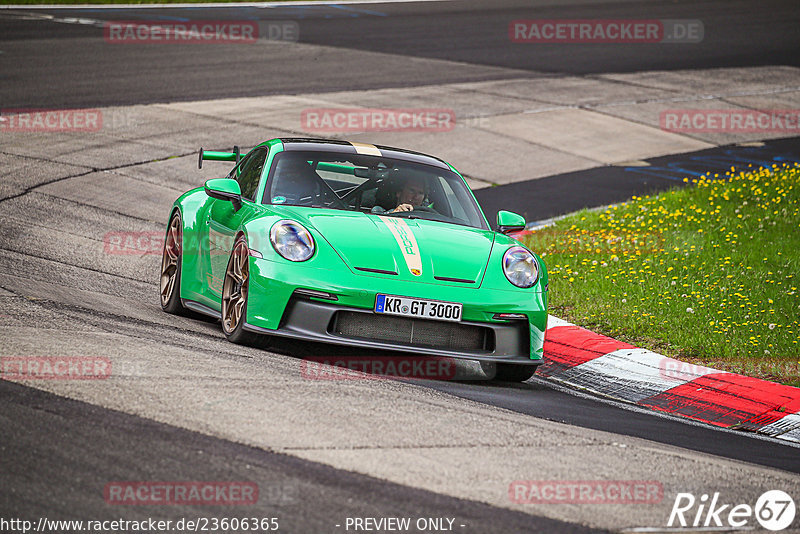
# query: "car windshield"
(371, 184)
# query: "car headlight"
(291, 240)
(520, 267)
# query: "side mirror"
(225, 189)
(509, 222)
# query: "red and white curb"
(583, 359)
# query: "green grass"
(707, 274)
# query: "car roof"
(345, 147)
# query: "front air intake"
(416, 332)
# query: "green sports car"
(358, 245)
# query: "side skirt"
(201, 308)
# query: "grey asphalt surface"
(191, 391)
(87, 447)
(366, 47)
(538, 398)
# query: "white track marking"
(553, 321)
(632, 374)
(787, 428)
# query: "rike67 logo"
(774, 510)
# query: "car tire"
(171, 261)
(508, 372)
(233, 311)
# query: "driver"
(412, 194)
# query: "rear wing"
(218, 156)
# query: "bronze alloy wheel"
(169, 261)
(234, 288)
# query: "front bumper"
(275, 309)
(322, 322)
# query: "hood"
(414, 249)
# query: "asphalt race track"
(474, 41)
(183, 404)
(117, 446)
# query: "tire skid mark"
(93, 169)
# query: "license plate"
(419, 308)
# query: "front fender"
(495, 280)
(273, 278)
